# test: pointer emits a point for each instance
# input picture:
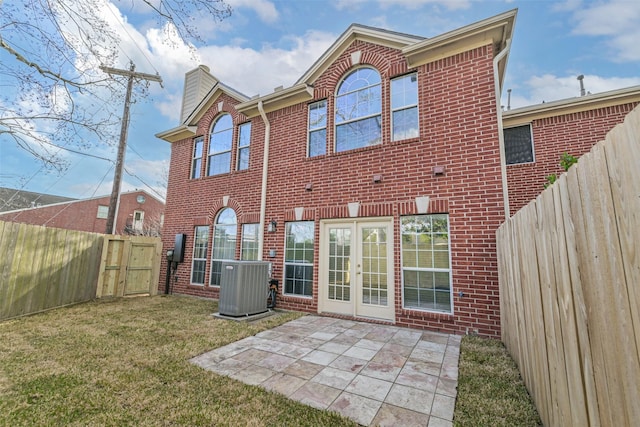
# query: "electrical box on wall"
(178, 248)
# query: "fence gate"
(130, 265)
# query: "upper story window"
(196, 161)
(518, 145)
(404, 107)
(244, 144)
(220, 142)
(359, 110)
(317, 128)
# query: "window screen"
(518, 145)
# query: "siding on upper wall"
(197, 84)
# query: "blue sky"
(266, 44)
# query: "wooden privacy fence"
(569, 265)
(43, 268)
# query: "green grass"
(125, 362)
(490, 389)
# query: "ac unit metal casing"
(243, 288)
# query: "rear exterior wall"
(458, 131)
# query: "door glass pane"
(339, 264)
(374, 266)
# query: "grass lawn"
(490, 389)
(125, 362)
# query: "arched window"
(220, 139)
(359, 110)
(225, 230)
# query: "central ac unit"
(243, 288)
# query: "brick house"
(138, 213)
(374, 185)
(536, 136)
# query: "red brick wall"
(81, 215)
(192, 202)
(458, 131)
(552, 136)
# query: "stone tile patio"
(373, 374)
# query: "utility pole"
(115, 191)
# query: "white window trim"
(218, 153)
(286, 263)
(194, 259)
(435, 270)
(197, 140)
(243, 147)
(310, 130)
(404, 107)
(336, 125)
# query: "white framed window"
(359, 110)
(138, 220)
(196, 160)
(220, 141)
(249, 242)
(244, 145)
(404, 107)
(317, 145)
(199, 262)
(298, 260)
(426, 260)
(225, 230)
(103, 211)
(518, 144)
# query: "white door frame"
(356, 307)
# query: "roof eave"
(178, 133)
(496, 30)
(572, 105)
(277, 100)
(356, 32)
(210, 99)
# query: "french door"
(356, 268)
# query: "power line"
(131, 74)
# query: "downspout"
(503, 160)
(265, 169)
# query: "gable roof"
(189, 126)
(497, 30)
(62, 200)
(355, 32)
(12, 199)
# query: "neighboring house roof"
(12, 199)
(71, 201)
(497, 30)
(524, 115)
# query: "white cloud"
(266, 10)
(548, 88)
(618, 21)
(407, 4)
(253, 72)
